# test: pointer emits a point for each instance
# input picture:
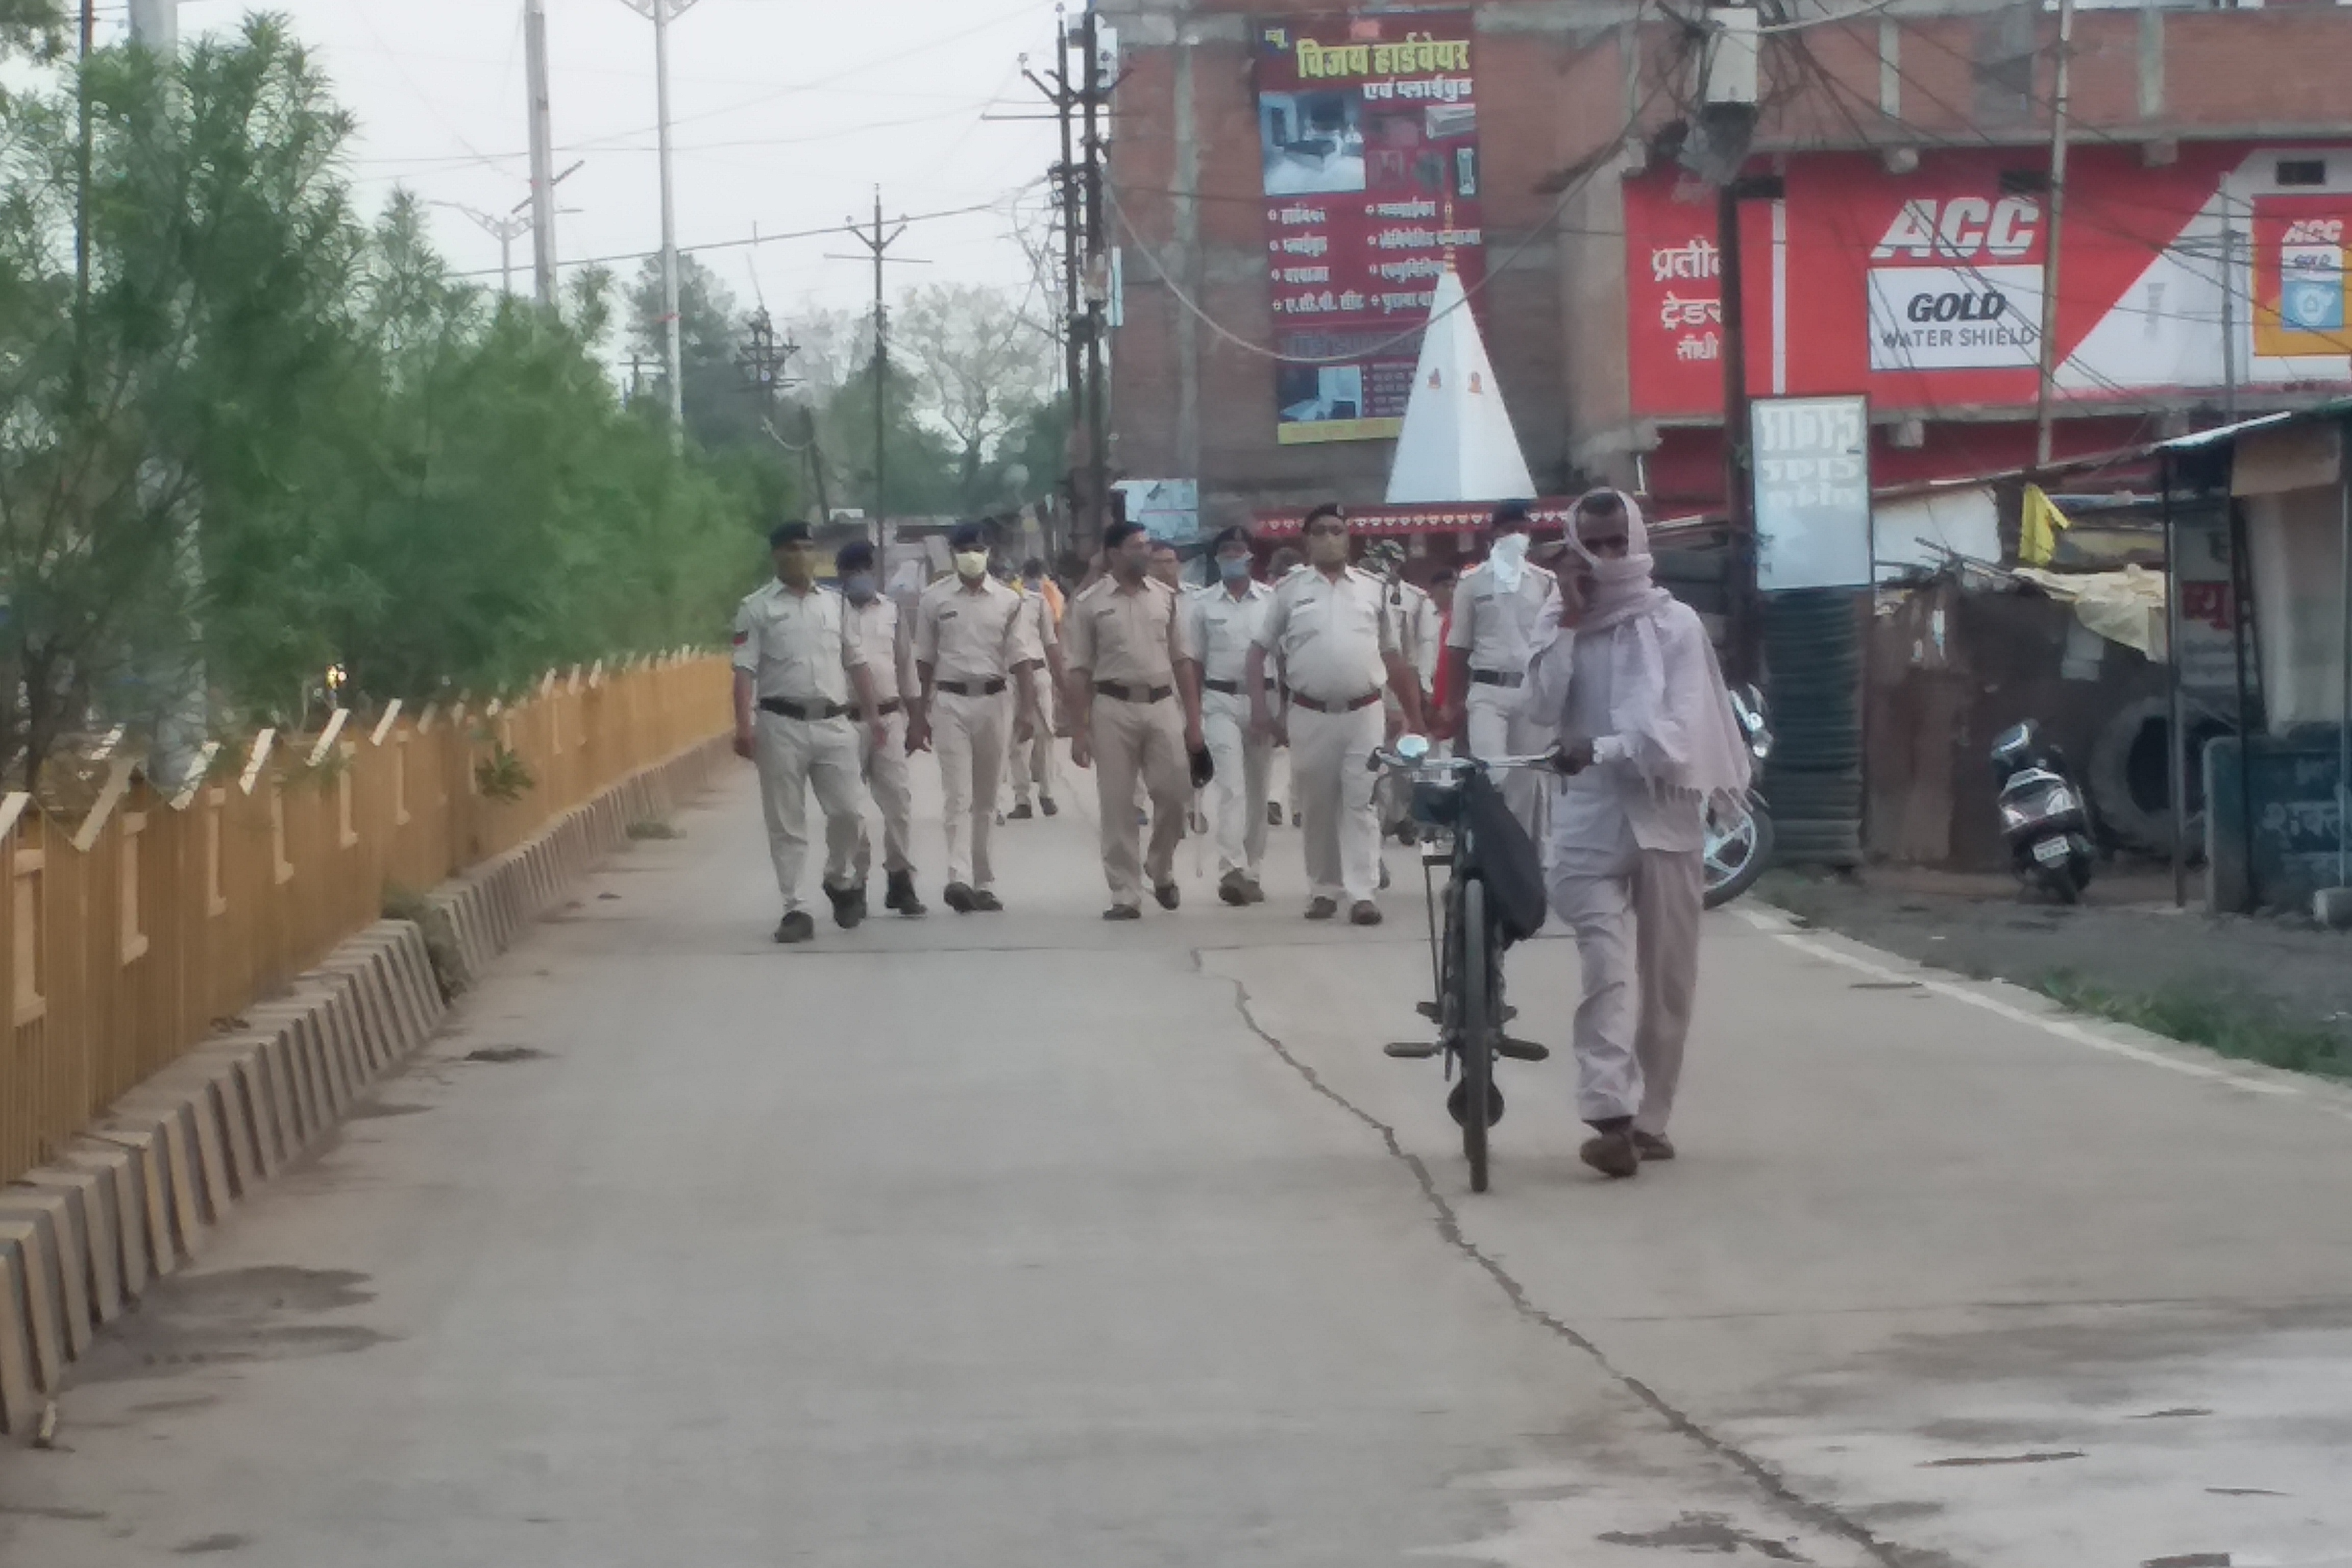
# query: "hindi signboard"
(1813, 492)
(1368, 134)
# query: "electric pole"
(155, 24)
(765, 363)
(1068, 191)
(505, 229)
(542, 155)
(2047, 359)
(663, 12)
(1097, 284)
(877, 245)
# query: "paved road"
(1026, 1241)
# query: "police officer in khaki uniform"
(1135, 709)
(1032, 760)
(1223, 621)
(1498, 609)
(971, 645)
(797, 660)
(888, 642)
(1332, 629)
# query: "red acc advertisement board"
(1925, 291)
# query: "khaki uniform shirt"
(1500, 628)
(1417, 627)
(875, 626)
(1332, 636)
(969, 636)
(1043, 626)
(1128, 637)
(1221, 628)
(798, 647)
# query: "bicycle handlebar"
(1382, 757)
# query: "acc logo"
(1987, 306)
(1960, 228)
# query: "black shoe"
(796, 926)
(902, 898)
(957, 897)
(1234, 889)
(1367, 913)
(1123, 912)
(1256, 893)
(1273, 814)
(1322, 909)
(987, 903)
(1652, 1146)
(1020, 813)
(1169, 894)
(1045, 803)
(848, 907)
(1612, 1154)
(1295, 820)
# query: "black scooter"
(2042, 818)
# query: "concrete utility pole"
(1066, 190)
(1098, 290)
(2048, 357)
(877, 245)
(663, 12)
(542, 155)
(156, 24)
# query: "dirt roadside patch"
(2267, 990)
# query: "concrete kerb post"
(56, 1219)
(150, 1152)
(19, 1404)
(35, 1261)
(127, 1195)
(93, 1199)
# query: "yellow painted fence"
(129, 935)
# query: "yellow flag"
(2038, 528)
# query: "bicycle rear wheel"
(1475, 1017)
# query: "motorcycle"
(1740, 838)
(2043, 819)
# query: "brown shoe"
(1322, 909)
(1169, 895)
(1234, 889)
(1612, 1154)
(1367, 913)
(1652, 1146)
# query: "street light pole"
(662, 12)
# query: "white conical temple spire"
(1457, 444)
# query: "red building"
(1269, 164)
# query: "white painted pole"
(542, 154)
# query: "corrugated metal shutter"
(1812, 658)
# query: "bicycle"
(1466, 949)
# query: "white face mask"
(971, 564)
(1509, 558)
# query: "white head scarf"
(1684, 740)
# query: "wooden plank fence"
(129, 936)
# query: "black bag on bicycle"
(1505, 858)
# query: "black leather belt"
(973, 688)
(1497, 678)
(806, 713)
(884, 710)
(1134, 693)
(1228, 687)
(1314, 706)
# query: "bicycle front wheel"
(1474, 1018)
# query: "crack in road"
(1820, 1515)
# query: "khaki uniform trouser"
(1329, 754)
(1636, 913)
(1033, 764)
(1494, 727)
(891, 783)
(795, 756)
(1237, 796)
(1139, 743)
(970, 735)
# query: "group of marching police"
(1166, 692)
(1173, 695)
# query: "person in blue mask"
(1225, 619)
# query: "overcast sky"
(787, 113)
